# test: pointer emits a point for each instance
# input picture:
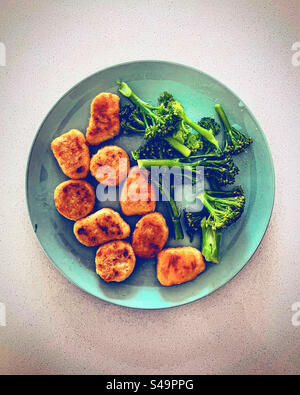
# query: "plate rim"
(128, 63)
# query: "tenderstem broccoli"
(166, 120)
(219, 168)
(235, 141)
(222, 208)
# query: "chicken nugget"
(100, 227)
(179, 265)
(74, 199)
(110, 165)
(104, 123)
(115, 261)
(137, 196)
(72, 154)
(150, 235)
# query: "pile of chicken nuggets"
(75, 199)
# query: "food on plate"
(150, 235)
(102, 226)
(222, 208)
(168, 121)
(72, 154)
(74, 199)
(178, 265)
(171, 140)
(218, 168)
(138, 195)
(115, 261)
(235, 141)
(110, 165)
(104, 123)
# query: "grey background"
(55, 328)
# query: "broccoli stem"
(143, 106)
(223, 116)
(208, 134)
(148, 163)
(173, 212)
(175, 217)
(185, 151)
(210, 243)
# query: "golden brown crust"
(104, 123)
(150, 235)
(74, 199)
(72, 154)
(115, 261)
(178, 265)
(137, 196)
(110, 165)
(98, 228)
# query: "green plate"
(198, 92)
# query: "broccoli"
(222, 208)
(173, 212)
(165, 98)
(209, 124)
(219, 168)
(211, 239)
(235, 141)
(167, 120)
(131, 120)
(177, 111)
(155, 149)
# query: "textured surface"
(245, 327)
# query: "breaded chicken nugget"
(72, 154)
(100, 227)
(104, 123)
(115, 261)
(150, 235)
(110, 165)
(137, 196)
(178, 265)
(74, 199)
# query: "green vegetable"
(155, 149)
(209, 124)
(158, 122)
(219, 168)
(222, 208)
(211, 240)
(173, 212)
(235, 141)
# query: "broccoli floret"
(235, 141)
(155, 149)
(220, 168)
(165, 98)
(221, 210)
(177, 110)
(224, 207)
(131, 120)
(209, 124)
